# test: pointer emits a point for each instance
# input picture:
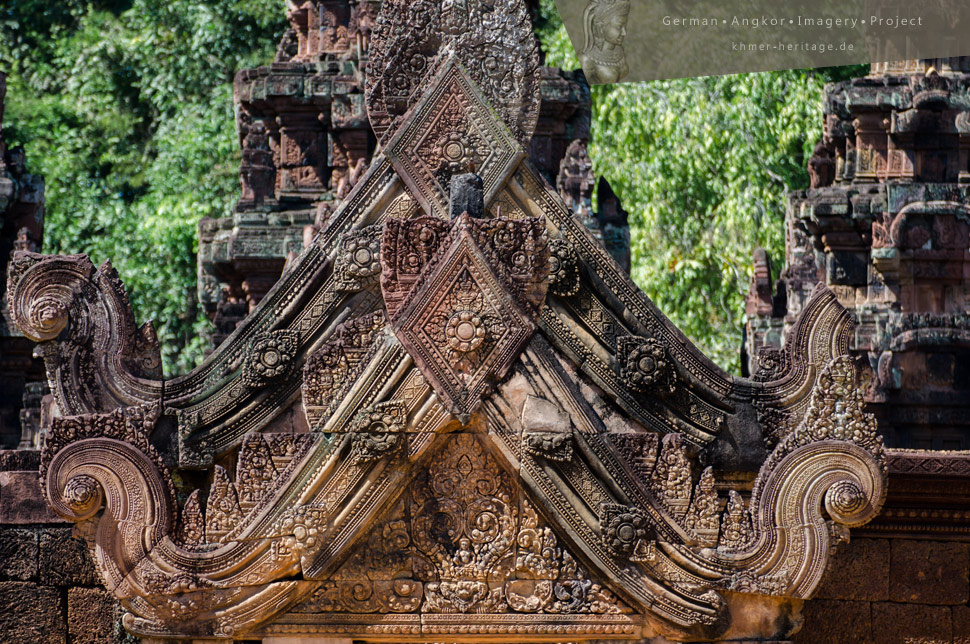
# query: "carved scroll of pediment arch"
(96, 357)
(821, 333)
(98, 459)
(284, 514)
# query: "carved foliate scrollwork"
(464, 542)
(379, 430)
(552, 445)
(643, 363)
(563, 269)
(464, 522)
(336, 364)
(453, 131)
(96, 357)
(302, 530)
(626, 530)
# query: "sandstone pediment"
(454, 417)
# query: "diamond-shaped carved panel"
(452, 130)
(465, 313)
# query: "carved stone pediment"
(449, 429)
(463, 550)
(493, 40)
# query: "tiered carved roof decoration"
(21, 228)
(308, 135)
(454, 417)
(886, 226)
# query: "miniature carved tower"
(306, 140)
(886, 226)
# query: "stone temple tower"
(885, 225)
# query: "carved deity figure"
(257, 173)
(604, 28)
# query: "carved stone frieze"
(639, 450)
(464, 542)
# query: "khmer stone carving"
(563, 269)
(378, 430)
(359, 265)
(643, 362)
(604, 29)
(493, 41)
(626, 530)
(269, 357)
(464, 291)
(506, 439)
(672, 475)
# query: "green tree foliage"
(703, 166)
(126, 109)
(125, 106)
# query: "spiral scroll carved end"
(41, 291)
(83, 495)
(849, 504)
